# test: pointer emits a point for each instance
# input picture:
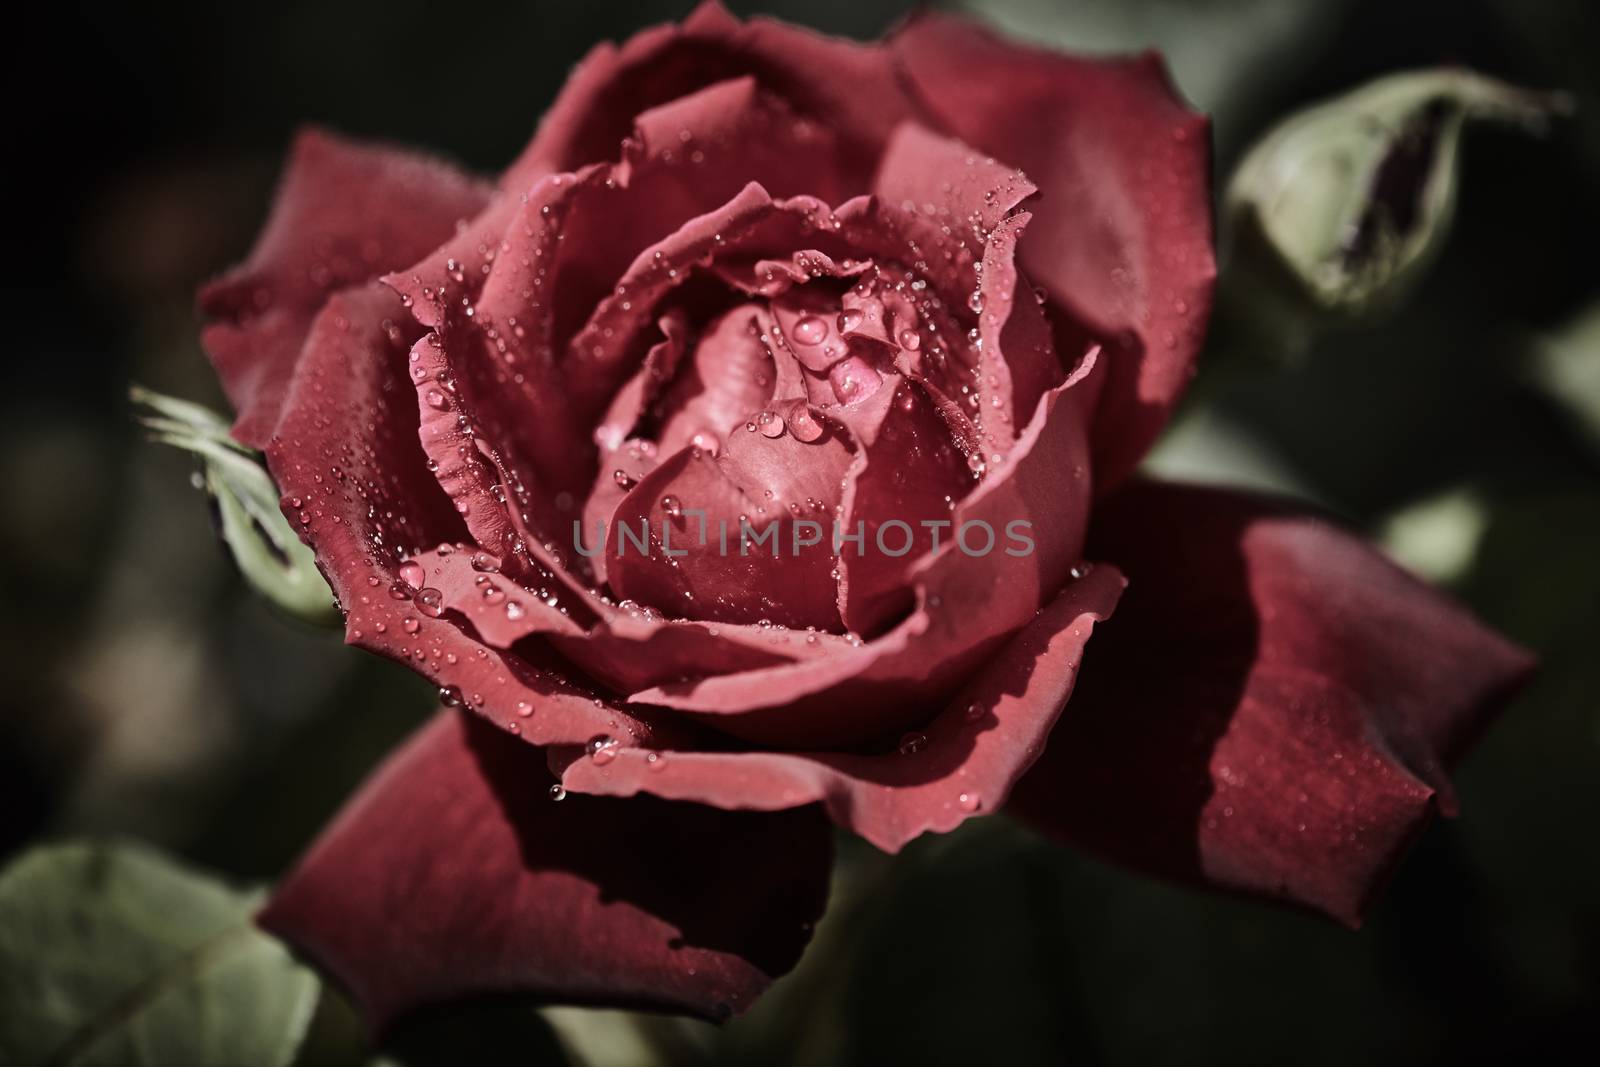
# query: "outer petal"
(847, 87)
(355, 484)
(962, 762)
(1122, 235)
(1273, 709)
(345, 213)
(452, 874)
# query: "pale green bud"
(1338, 210)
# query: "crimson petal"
(963, 762)
(1122, 233)
(356, 486)
(1273, 709)
(970, 597)
(452, 874)
(689, 515)
(842, 85)
(345, 213)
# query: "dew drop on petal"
(810, 330)
(770, 424)
(803, 425)
(853, 379)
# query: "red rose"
(747, 279)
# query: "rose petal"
(1273, 709)
(730, 377)
(846, 87)
(453, 875)
(635, 648)
(698, 565)
(961, 763)
(501, 610)
(947, 181)
(507, 510)
(900, 496)
(354, 481)
(345, 213)
(969, 601)
(1122, 232)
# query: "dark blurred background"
(147, 693)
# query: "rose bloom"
(744, 272)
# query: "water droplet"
(853, 379)
(655, 761)
(410, 625)
(969, 802)
(450, 696)
(436, 400)
(413, 574)
(849, 319)
(803, 425)
(515, 610)
(913, 743)
(603, 749)
(910, 340)
(810, 330)
(975, 711)
(672, 506)
(558, 792)
(770, 424)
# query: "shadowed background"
(148, 693)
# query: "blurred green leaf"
(272, 558)
(1567, 367)
(1225, 55)
(114, 954)
(1340, 209)
(1438, 537)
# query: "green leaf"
(1340, 209)
(270, 555)
(1567, 367)
(113, 954)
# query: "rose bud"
(1337, 211)
(904, 315)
